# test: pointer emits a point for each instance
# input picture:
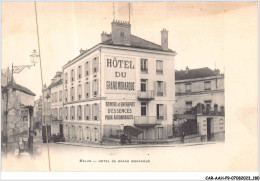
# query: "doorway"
(209, 129)
(160, 132)
(61, 130)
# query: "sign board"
(119, 110)
(120, 75)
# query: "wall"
(135, 75)
(217, 127)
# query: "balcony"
(146, 121)
(145, 95)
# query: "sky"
(204, 34)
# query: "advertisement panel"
(120, 75)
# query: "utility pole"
(113, 11)
(129, 11)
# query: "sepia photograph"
(129, 86)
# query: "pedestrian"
(182, 137)
(123, 139)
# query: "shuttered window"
(87, 90)
(79, 91)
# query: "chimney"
(81, 51)
(164, 39)
(105, 37)
(121, 32)
(187, 70)
(217, 72)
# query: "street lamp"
(15, 70)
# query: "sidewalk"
(136, 145)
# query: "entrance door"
(160, 133)
(61, 130)
(209, 129)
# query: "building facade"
(123, 84)
(17, 103)
(200, 99)
(56, 91)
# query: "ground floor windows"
(82, 133)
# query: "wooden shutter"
(155, 88)
(97, 64)
(165, 111)
(90, 112)
(97, 87)
(97, 111)
(164, 89)
(93, 83)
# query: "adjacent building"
(123, 84)
(55, 90)
(17, 103)
(200, 102)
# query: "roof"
(137, 42)
(194, 73)
(23, 89)
(55, 84)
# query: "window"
(87, 112)
(79, 112)
(56, 113)
(60, 113)
(208, 106)
(66, 78)
(56, 96)
(95, 87)
(143, 85)
(52, 97)
(79, 72)
(159, 67)
(79, 91)
(143, 108)
(72, 93)
(160, 111)
(66, 95)
(161, 88)
(72, 75)
(188, 105)
(66, 116)
(222, 109)
(188, 87)
(87, 69)
(144, 65)
(60, 96)
(87, 90)
(207, 85)
(72, 113)
(95, 111)
(95, 64)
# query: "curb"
(137, 146)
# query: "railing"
(195, 111)
(148, 95)
(146, 120)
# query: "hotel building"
(123, 84)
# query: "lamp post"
(15, 70)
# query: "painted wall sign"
(120, 75)
(119, 110)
